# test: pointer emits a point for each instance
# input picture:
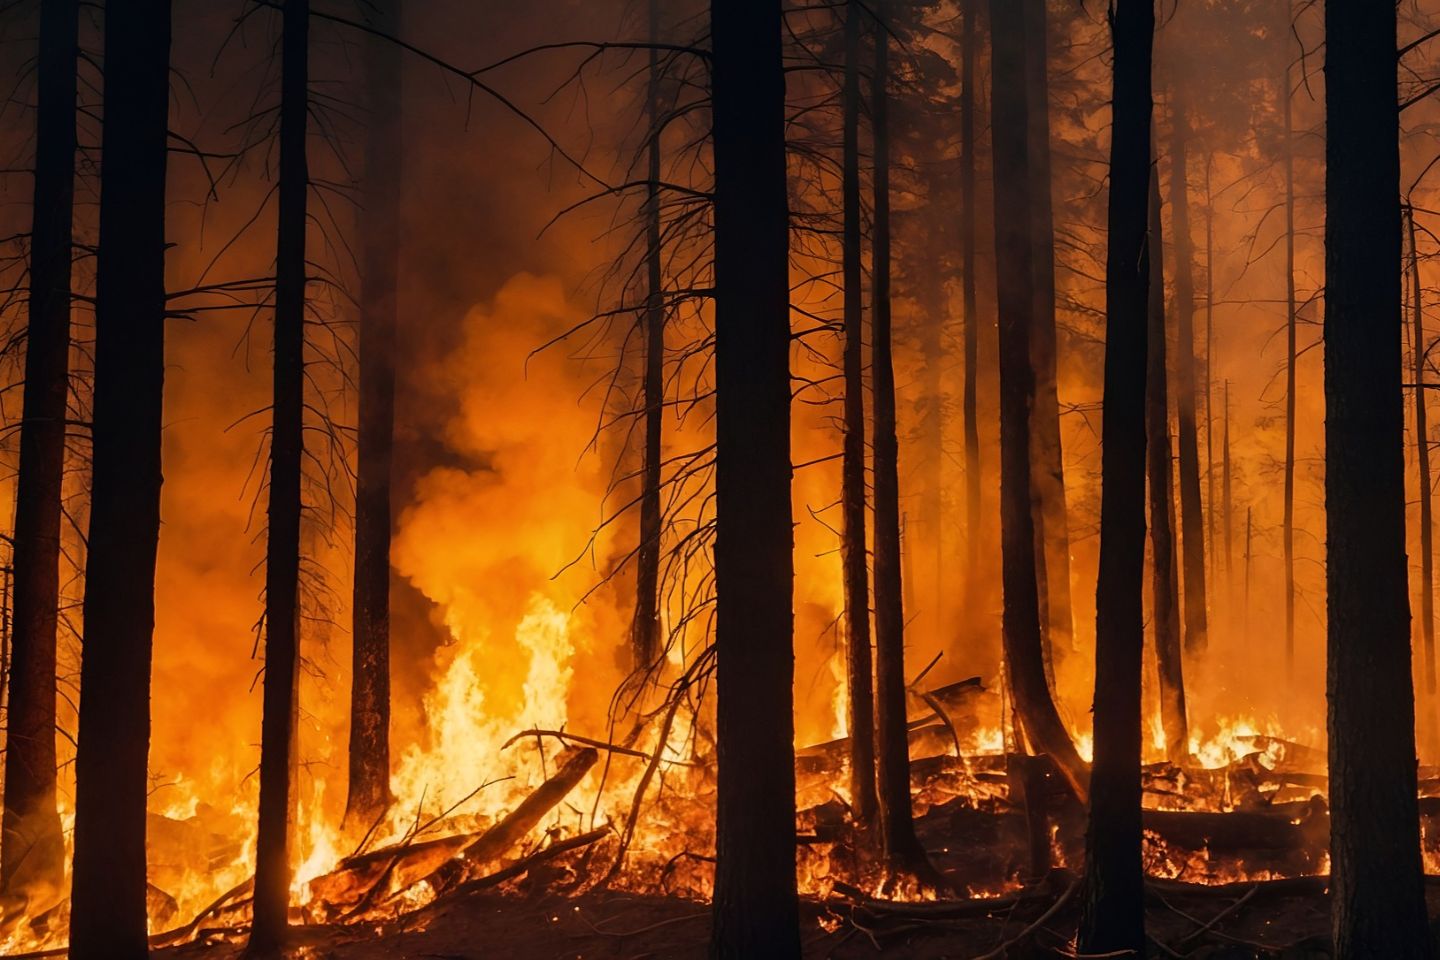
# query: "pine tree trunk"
(860, 717)
(1376, 885)
(970, 411)
(31, 846)
(755, 910)
(108, 888)
(1192, 514)
(1014, 249)
(897, 826)
(1047, 470)
(1113, 908)
(1164, 576)
(1422, 449)
(646, 630)
(1287, 532)
(369, 752)
(282, 558)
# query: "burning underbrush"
(516, 798)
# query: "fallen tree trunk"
(516, 825)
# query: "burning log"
(516, 825)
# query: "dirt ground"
(1285, 920)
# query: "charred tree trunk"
(646, 630)
(1014, 249)
(755, 910)
(108, 888)
(1192, 513)
(1376, 886)
(897, 826)
(1047, 463)
(282, 556)
(1164, 577)
(1288, 525)
(969, 410)
(369, 752)
(31, 846)
(1422, 450)
(860, 717)
(1113, 908)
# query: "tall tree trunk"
(1047, 462)
(897, 826)
(1014, 250)
(108, 889)
(1422, 449)
(1225, 495)
(969, 411)
(1113, 909)
(282, 556)
(1376, 886)
(1288, 525)
(1164, 577)
(1192, 513)
(1208, 387)
(31, 846)
(860, 717)
(369, 752)
(755, 910)
(646, 630)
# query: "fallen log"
(1242, 830)
(516, 825)
(381, 872)
(525, 864)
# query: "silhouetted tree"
(31, 846)
(853, 550)
(970, 410)
(369, 754)
(282, 550)
(1113, 903)
(1047, 461)
(1192, 521)
(1422, 461)
(1164, 577)
(1376, 887)
(897, 826)
(1014, 251)
(755, 911)
(646, 629)
(108, 887)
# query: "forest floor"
(616, 926)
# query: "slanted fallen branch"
(516, 825)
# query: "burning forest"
(656, 478)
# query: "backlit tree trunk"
(1113, 902)
(282, 557)
(1194, 600)
(1376, 886)
(108, 888)
(755, 911)
(31, 847)
(969, 410)
(1422, 451)
(369, 752)
(1164, 577)
(1287, 532)
(646, 630)
(1014, 250)
(861, 703)
(897, 825)
(1047, 463)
